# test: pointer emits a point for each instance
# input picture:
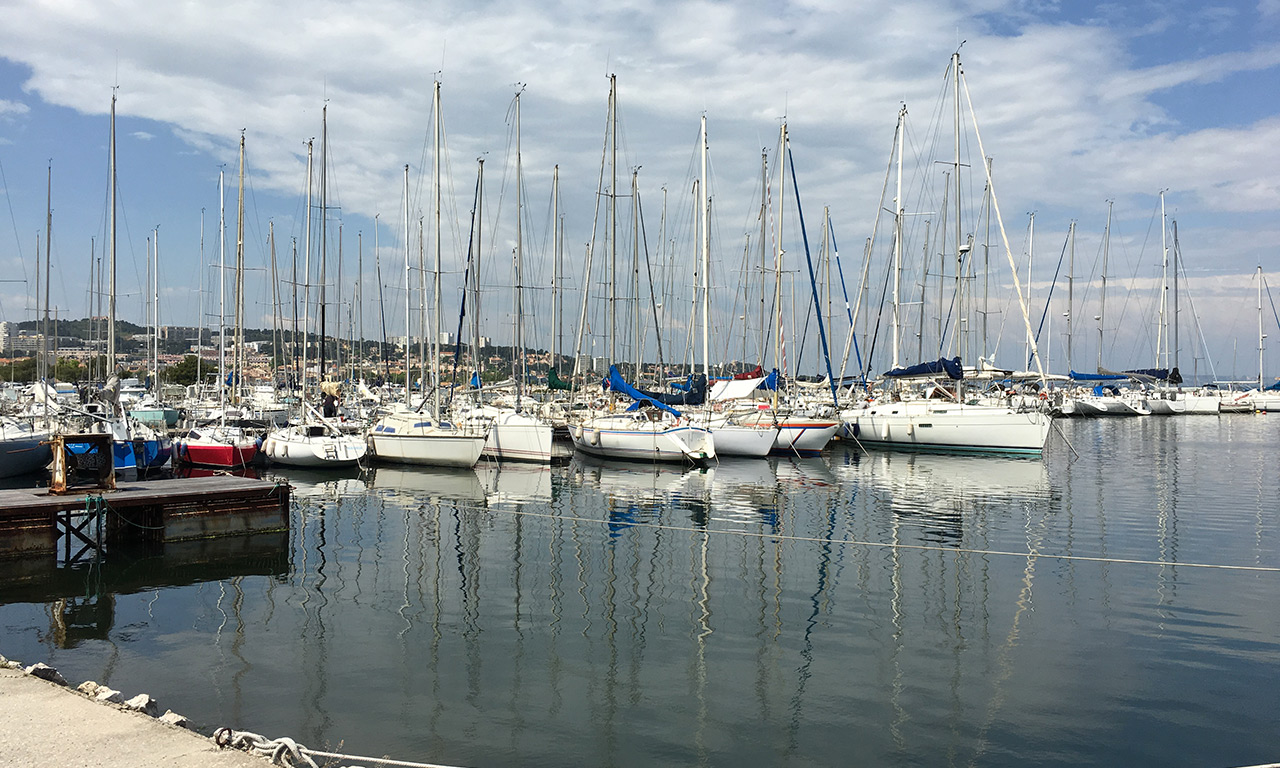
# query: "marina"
(892, 608)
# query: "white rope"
(290, 754)
(885, 545)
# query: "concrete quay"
(46, 724)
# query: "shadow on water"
(83, 598)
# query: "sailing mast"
(1162, 325)
(898, 210)
(111, 286)
(238, 352)
(435, 345)
(1102, 306)
(306, 277)
(705, 204)
(407, 290)
(521, 371)
(222, 294)
(558, 244)
(324, 220)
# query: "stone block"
(88, 688)
(108, 695)
(46, 672)
(173, 718)
(144, 704)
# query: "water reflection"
(883, 608)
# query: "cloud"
(1067, 115)
(12, 109)
(142, 135)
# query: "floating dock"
(84, 521)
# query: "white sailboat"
(936, 413)
(416, 435)
(315, 441)
(658, 433)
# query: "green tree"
(183, 373)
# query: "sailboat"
(315, 441)
(222, 445)
(659, 432)
(925, 406)
(419, 435)
(515, 432)
(135, 446)
(803, 427)
(731, 435)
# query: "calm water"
(881, 609)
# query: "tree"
(183, 373)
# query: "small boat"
(220, 446)
(23, 447)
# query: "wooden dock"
(35, 523)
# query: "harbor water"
(1113, 603)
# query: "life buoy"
(1044, 395)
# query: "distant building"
(183, 333)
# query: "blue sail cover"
(616, 383)
(770, 382)
(1076, 376)
(952, 368)
(692, 392)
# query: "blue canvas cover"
(952, 368)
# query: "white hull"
(1181, 403)
(412, 438)
(518, 437)
(1099, 407)
(635, 438)
(933, 425)
(739, 440)
(299, 447)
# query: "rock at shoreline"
(46, 672)
(88, 688)
(108, 695)
(173, 718)
(144, 704)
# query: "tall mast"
(613, 219)
(407, 289)
(222, 293)
(520, 371)
(324, 239)
(635, 270)
(200, 318)
(435, 345)
(1102, 305)
(558, 254)
(897, 245)
(111, 284)
(1031, 250)
(1260, 334)
(1071, 285)
(306, 274)
(705, 204)
(778, 344)
(48, 258)
(1176, 257)
(956, 341)
(155, 307)
(239, 337)
(1162, 327)
(475, 269)
(359, 348)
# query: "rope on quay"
(286, 752)
(919, 547)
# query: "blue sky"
(1078, 104)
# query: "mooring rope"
(286, 752)
(890, 545)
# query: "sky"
(1077, 104)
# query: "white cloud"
(1068, 118)
(12, 109)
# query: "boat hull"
(296, 447)
(632, 439)
(923, 425)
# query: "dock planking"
(32, 521)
